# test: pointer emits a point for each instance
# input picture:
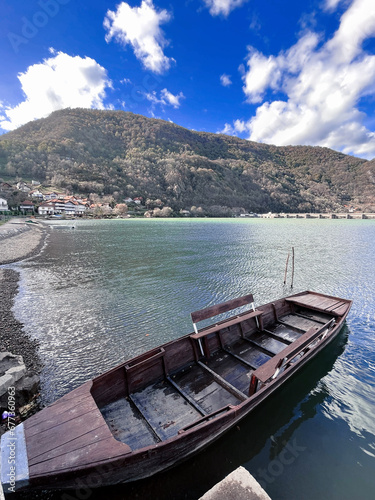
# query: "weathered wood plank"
(282, 331)
(224, 307)
(127, 425)
(106, 449)
(226, 324)
(298, 322)
(63, 433)
(165, 409)
(202, 387)
(92, 436)
(248, 352)
(265, 343)
(227, 386)
(57, 415)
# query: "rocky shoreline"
(12, 334)
(18, 241)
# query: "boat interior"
(172, 388)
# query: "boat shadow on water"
(279, 415)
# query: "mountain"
(123, 154)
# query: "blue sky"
(291, 72)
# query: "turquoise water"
(108, 290)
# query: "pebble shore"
(12, 335)
(18, 241)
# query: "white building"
(37, 194)
(3, 205)
(46, 209)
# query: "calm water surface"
(109, 290)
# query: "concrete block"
(239, 485)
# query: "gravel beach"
(12, 335)
(18, 241)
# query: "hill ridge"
(122, 154)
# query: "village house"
(27, 206)
(23, 187)
(3, 205)
(46, 208)
(37, 194)
(138, 200)
(53, 196)
(6, 187)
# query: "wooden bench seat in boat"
(230, 305)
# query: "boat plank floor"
(231, 370)
(284, 332)
(314, 315)
(298, 322)
(127, 425)
(165, 409)
(249, 353)
(263, 340)
(201, 386)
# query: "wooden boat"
(159, 408)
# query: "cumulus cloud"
(140, 28)
(166, 98)
(58, 82)
(322, 82)
(223, 7)
(225, 80)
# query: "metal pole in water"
(286, 268)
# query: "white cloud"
(223, 7)
(225, 80)
(126, 81)
(59, 82)
(140, 27)
(228, 129)
(173, 100)
(166, 98)
(323, 84)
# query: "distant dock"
(353, 215)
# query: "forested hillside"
(122, 154)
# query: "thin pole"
(286, 268)
(291, 286)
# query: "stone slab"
(239, 485)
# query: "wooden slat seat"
(226, 324)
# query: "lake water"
(108, 290)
